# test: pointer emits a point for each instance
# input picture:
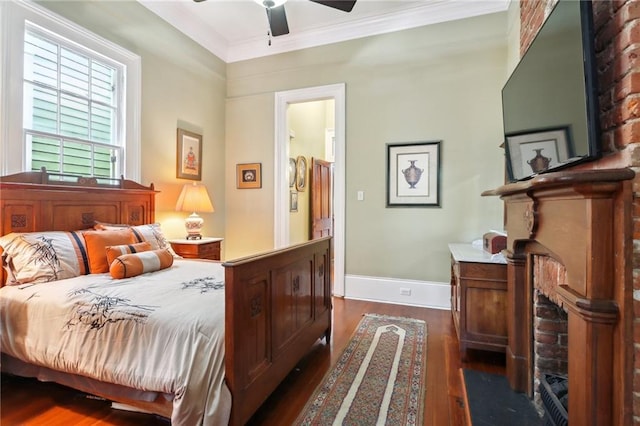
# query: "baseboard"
(390, 290)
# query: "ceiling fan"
(278, 19)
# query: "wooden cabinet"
(478, 298)
(205, 248)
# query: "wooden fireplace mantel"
(582, 219)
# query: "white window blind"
(70, 99)
(70, 108)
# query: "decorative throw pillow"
(131, 265)
(37, 257)
(115, 251)
(97, 242)
(151, 232)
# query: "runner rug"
(379, 378)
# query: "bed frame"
(278, 303)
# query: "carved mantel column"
(570, 216)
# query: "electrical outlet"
(405, 291)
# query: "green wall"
(440, 82)
(183, 85)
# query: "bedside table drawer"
(209, 251)
(197, 249)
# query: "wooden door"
(321, 198)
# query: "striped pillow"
(115, 251)
(150, 232)
(131, 265)
(97, 243)
(37, 257)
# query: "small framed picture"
(301, 173)
(189, 155)
(249, 175)
(413, 174)
(293, 201)
(292, 172)
(533, 152)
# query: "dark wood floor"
(28, 402)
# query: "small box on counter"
(494, 242)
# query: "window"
(77, 110)
(70, 108)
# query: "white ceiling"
(236, 30)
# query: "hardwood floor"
(28, 402)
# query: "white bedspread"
(161, 331)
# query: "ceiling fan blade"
(278, 21)
(343, 5)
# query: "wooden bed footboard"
(277, 305)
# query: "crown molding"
(424, 14)
(190, 24)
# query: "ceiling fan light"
(270, 4)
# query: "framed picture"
(301, 173)
(292, 172)
(189, 155)
(249, 175)
(293, 201)
(534, 152)
(413, 174)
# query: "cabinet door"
(455, 286)
(292, 302)
(322, 293)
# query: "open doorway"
(311, 145)
(282, 155)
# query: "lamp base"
(193, 225)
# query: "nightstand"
(205, 248)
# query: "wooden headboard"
(42, 201)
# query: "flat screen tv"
(550, 101)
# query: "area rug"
(378, 380)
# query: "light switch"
(360, 195)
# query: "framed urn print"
(530, 153)
(249, 175)
(189, 155)
(413, 174)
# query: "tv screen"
(550, 101)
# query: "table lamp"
(194, 198)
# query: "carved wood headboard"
(41, 201)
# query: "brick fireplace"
(574, 219)
(612, 306)
(550, 324)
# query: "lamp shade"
(194, 198)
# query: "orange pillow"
(115, 251)
(130, 265)
(97, 242)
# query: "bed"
(265, 311)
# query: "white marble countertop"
(467, 252)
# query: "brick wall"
(617, 42)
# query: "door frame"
(281, 165)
